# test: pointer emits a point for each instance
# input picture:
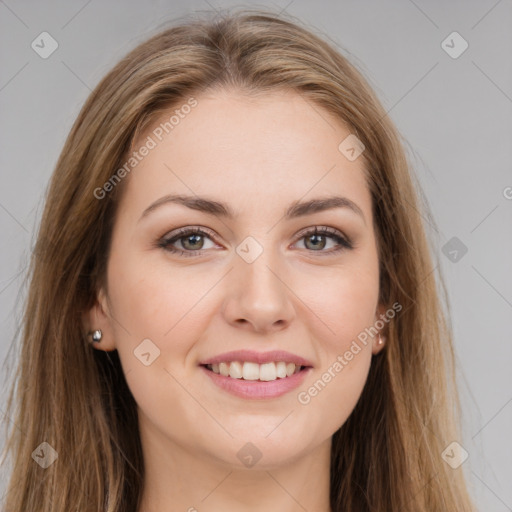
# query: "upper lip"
(257, 357)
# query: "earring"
(96, 335)
(381, 341)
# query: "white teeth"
(281, 369)
(254, 371)
(235, 370)
(268, 371)
(251, 371)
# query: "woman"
(232, 304)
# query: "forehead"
(269, 149)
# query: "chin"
(255, 451)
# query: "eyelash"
(166, 243)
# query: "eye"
(191, 241)
(316, 240)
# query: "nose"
(258, 298)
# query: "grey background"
(456, 115)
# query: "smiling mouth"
(255, 372)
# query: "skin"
(258, 154)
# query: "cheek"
(346, 304)
(352, 308)
(169, 308)
(345, 300)
(153, 300)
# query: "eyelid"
(178, 233)
(322, 230)
(169, 235)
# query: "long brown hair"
(387, 456)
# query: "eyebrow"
(218, 209)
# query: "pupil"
(318, 238)
(192, 237)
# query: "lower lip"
(257, 389)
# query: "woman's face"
(259, 281)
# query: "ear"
(380, 317)
(98, 317)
